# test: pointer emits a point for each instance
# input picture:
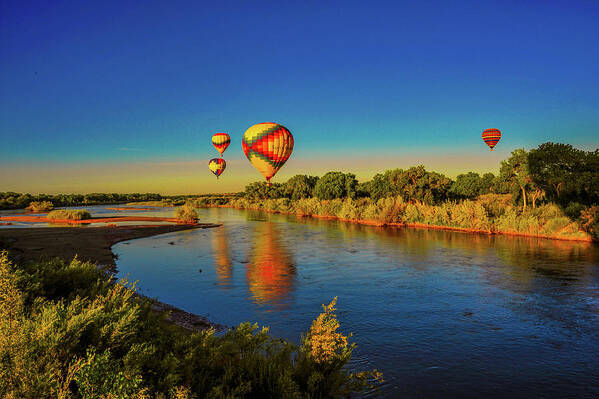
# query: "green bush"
(40, 206)
(69, 214)
(349, 210)
(306, 206)
(100, 340)
(187, 213)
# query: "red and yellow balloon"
(491, 137)
(217, 166)
(221, 141)
(267, 146)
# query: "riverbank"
(111, 219)
(487, 216)
(94, 244)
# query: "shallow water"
(442, 314)
(95, 210)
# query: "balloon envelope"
(217, 166)
(491, 137)
(267, 146)
(221, 141)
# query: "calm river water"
(442, 314)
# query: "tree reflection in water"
(271, 271)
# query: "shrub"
(589, 219)
(495, 204)
(43, 206)
(330, 208)
(349, 210)
(323, 354)
(306, 206)
(187, 213)
(100, 340)
(573, 210)
(69, 214)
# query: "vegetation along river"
(440, 313)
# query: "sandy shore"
(110, 219)
(94, 244)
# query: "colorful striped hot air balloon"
(221, 141)
(268, 146)
(491, 137)
(217, 166)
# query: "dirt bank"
(112, 219)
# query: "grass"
(69, 331)
(40, 206)
(69, 214)
(489, 213)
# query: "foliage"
(300, 186)
(336, 185)
(187, 213)
(471, 185)
(516, 175)
(40, 206)
(323, 355)
(490, 212)
(589, 219)
(11, 200)
(261, 190)
(68, 214)
(96, 377)
(565, 173)
(415, 184)
(92, 337)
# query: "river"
(441, 314)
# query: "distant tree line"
(552, 172)
(11, 200)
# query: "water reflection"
(271, 271)
(222, 256)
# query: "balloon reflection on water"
(271, 271)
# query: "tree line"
(11, 200)
(552, 172)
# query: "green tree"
(487, 183)
(300, 186)
(515, 172)
(336, 185)
(566, 174)
(467, 185)
(260, 190)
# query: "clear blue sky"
(116, 81)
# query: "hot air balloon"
(217, 166)
(491, 137)
(267, 146)
(221, 141)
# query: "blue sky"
(115, 83)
